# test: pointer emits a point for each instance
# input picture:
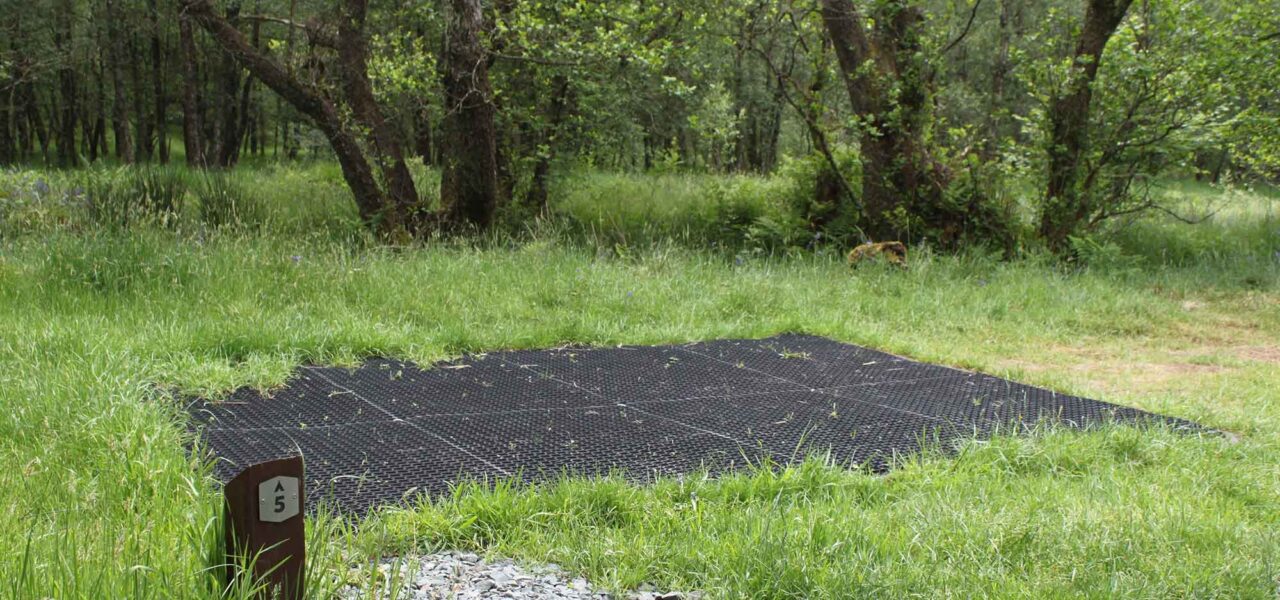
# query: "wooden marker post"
(264, 519)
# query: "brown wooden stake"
(265, 524)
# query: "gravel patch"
(465, 575)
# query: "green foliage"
(815, 196)
(1175, 89)
(984, 193)
(717, 126)
(1102, 253)
(737, 215)
(757, 215)
(1240, 230)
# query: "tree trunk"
(7, 154)
(119, 106)
(98, 147)
(21, 130)
(94, 125)
(192, 128)
(142, 125)
(469, 187)
(243, 122)
(85, 114)
(1223, 159)
(999, 73)
(1066, 208)
(39, 134)
(308, 100)
(236, 137)
(10, 122)
(67, 118)
(259, 128)
(772, 132)
(157, 84)
(742, 143)
(756, 142)
(353, 56)
(89, 117)
(888, 90)
(424, 127)
(557, 106)
(13, 97)
(424, 144)
(226, 126)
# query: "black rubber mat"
(389, 430)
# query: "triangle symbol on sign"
(279, 486)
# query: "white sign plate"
(278, 499)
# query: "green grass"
(98, 498)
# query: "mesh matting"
(389, 430)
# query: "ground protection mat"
(388, 430)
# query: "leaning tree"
(345, 109)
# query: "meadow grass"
(98, 497)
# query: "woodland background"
(1003, 123)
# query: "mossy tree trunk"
(889, 92)
(469, 187)
(1067, 207)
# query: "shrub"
(754, 213)
(818, 196)
(983, 211)
(1096, 251)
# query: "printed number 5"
(279, 504)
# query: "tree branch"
(316, 33)
(1153, 205)
(306, 98)
(967, 26)
(659, 32)
(820, 137)
(549, 62)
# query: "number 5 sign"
(278, 499)
(265, 526)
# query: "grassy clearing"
(97, 498)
